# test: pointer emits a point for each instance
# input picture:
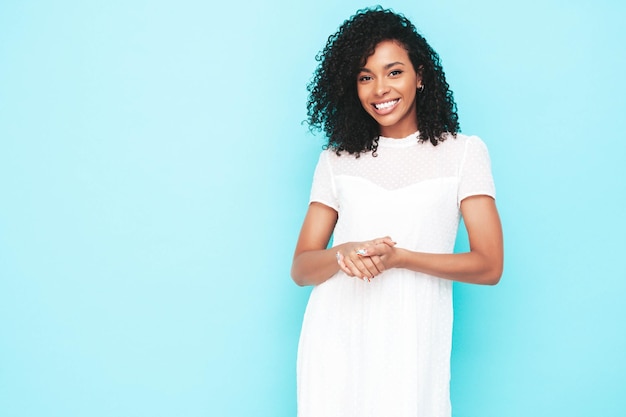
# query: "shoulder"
(330, 156)
(462, 143)
(327, 161)
(463, 139)
(472, 140)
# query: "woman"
(390, 190)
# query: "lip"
(386, 110)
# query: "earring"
(420, 88)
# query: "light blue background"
(154, 173)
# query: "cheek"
(362, 95)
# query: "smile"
(386, 105)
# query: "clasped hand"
(367, 259)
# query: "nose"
(381, 86)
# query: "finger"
(352, 268)
(373, 270)
(378, 264)
(370, 268)
(362, 266)
(351, 261)
(342, 264)
(366, 267)
(373, 250)
(388, 241)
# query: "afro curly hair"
(333, 105)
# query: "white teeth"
(385, 105)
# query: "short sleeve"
(323, 188)
(475, 176)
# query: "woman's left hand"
(374, 254)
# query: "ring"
(361, 251)
(338, 256)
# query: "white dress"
(382, 348)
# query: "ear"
(419, 77)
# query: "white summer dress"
(382, 348)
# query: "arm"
(483, 264)
(313, 263)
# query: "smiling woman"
(387, 86)
(376, 336)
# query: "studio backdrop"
(155, 170)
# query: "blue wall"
(154, 173)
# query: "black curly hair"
(333, 105)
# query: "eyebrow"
(387, 66)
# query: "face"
(387, 86)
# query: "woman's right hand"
(353, 258)
(314, 262)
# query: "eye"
(364, 78)
(395, 73)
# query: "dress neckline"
(398, 142)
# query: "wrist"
(399, 259)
